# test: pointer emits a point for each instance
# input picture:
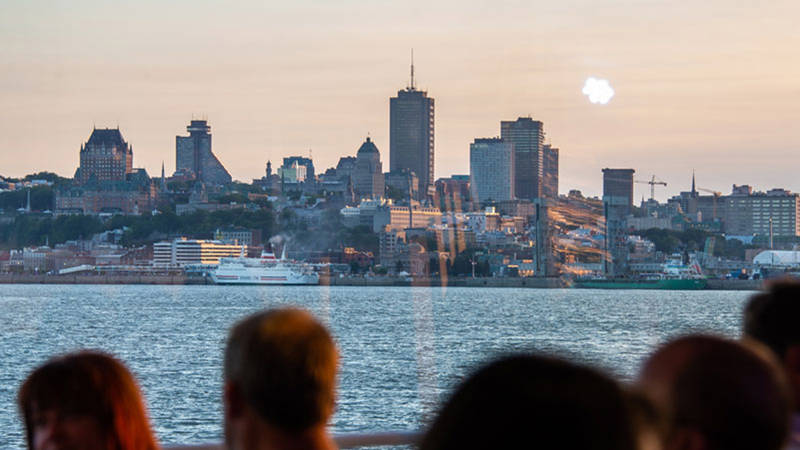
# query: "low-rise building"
(404, 182)
(391, 244)
(392, 217)
(482, 221)
(238, 235)
(183, 252)
(649, 222)
(382, 215)
(135, 195)
(775, 212)
(37, 259)
(453, 194)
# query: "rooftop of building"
(524, 120)
(106, 137)
(136, 180)
(368, 147)
(412, 92)
(300, 160)
(492, 140)
(198, 126)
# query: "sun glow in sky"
(598, 91)
(713, 86)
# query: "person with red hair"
(86, 400)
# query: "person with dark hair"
(717, 394)
(86, 400)
(280, 382)
(773, 318)
(648, 421)
(530, 401)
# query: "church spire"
(163, 178)
(694, 191)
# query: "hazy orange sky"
(712, 86)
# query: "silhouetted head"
(648, 421)
(280, 366)
(717, 394)
(534, 402)
(773, 318)
(86, 400)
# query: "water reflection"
(424, 337)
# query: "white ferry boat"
(265, 270)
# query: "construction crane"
(716, 194)
(653, 182)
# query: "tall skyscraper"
(527, 137)
(411, 134)
(105, 157)
(550, 172)
(194, 158)
(618, 183)
(491, 170)
(617, 203)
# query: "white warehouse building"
(778, 258)
(183, 252)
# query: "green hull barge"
(687, 284)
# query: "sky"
(709, 86)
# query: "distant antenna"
(412, 69)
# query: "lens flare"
(598, 90)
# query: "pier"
(493, 282)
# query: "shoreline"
(156, 279)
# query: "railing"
(343, 440)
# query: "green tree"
(54, 178)
(233, 197)
(361, 238)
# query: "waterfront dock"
(495, 282)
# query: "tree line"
(671, 241)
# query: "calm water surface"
(402, 349)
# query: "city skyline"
(713, 91)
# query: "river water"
(402, 349)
